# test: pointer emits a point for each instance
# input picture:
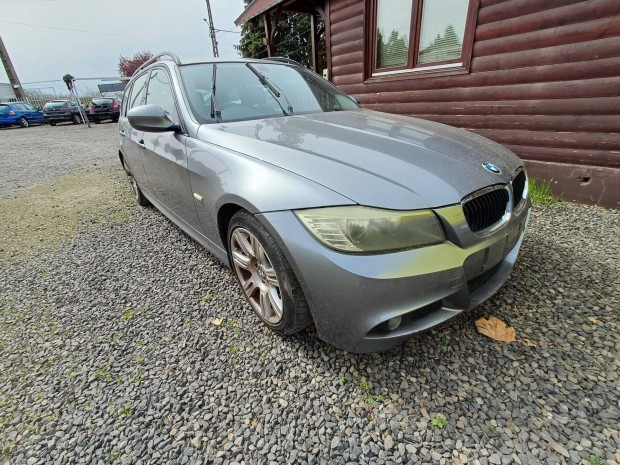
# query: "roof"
(255, 8)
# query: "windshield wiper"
(277, 93)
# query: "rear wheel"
(97, 121)
(23, 122)
(265, 277)
(52, 123)
(76, 119)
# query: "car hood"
(374, 159)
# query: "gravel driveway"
(126, 343)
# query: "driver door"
(165, 157)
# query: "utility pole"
(10, 72)
(216, 54)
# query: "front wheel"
(23, 122)
(135, 189)
(52, 123)
(76, 119)
(265, 277)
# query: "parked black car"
(102, 108)
(58, 111)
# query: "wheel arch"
(224, 215)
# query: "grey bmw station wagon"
(371, 226)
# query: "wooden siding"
(544, 80)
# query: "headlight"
(363, 229)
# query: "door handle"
(141, 144)
(122, 133)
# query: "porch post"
(315, 45)
(268, 34)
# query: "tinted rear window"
(56, 104)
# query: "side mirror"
(355, 99)
(151, 118)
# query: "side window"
(4, 108)
(125, 100)
(138, 91)
(160, 93)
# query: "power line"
(92, 32)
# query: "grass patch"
(439, 422)
(45, 215)
(540, 192)
(367, 395)
(594, 459)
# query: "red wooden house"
(539, 76)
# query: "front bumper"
(352, 297)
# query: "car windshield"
(245, 91)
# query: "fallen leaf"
(216, 321)
(593, 319)
(528, 342)
(495, 329)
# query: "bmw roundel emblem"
(492, 168)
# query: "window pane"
(137, 93)
(393, 28)
(160, 93)
(442, 30)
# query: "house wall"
(544, 81)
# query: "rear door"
(164, 154)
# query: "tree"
(127, 66)
(291, 38)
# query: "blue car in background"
(20, 113)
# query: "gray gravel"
(109, 354)
(40, 153)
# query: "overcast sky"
(45, 50)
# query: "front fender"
(221, 176)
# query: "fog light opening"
(393, 323)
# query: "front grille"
(518, 187)
(484, 210)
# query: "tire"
(76, 119)
(115, 120)
(97, 121)
(265, 277)
(23, 122)
(135, 189)
(51, 123)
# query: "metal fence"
(38, 97)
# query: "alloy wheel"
(23, 122)
(257, 276)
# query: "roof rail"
(171, 55)
(284, 60)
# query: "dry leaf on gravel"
(593, 319)
(495, 329)
(216, 321)
(528, 342)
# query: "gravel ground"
(131, 345)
